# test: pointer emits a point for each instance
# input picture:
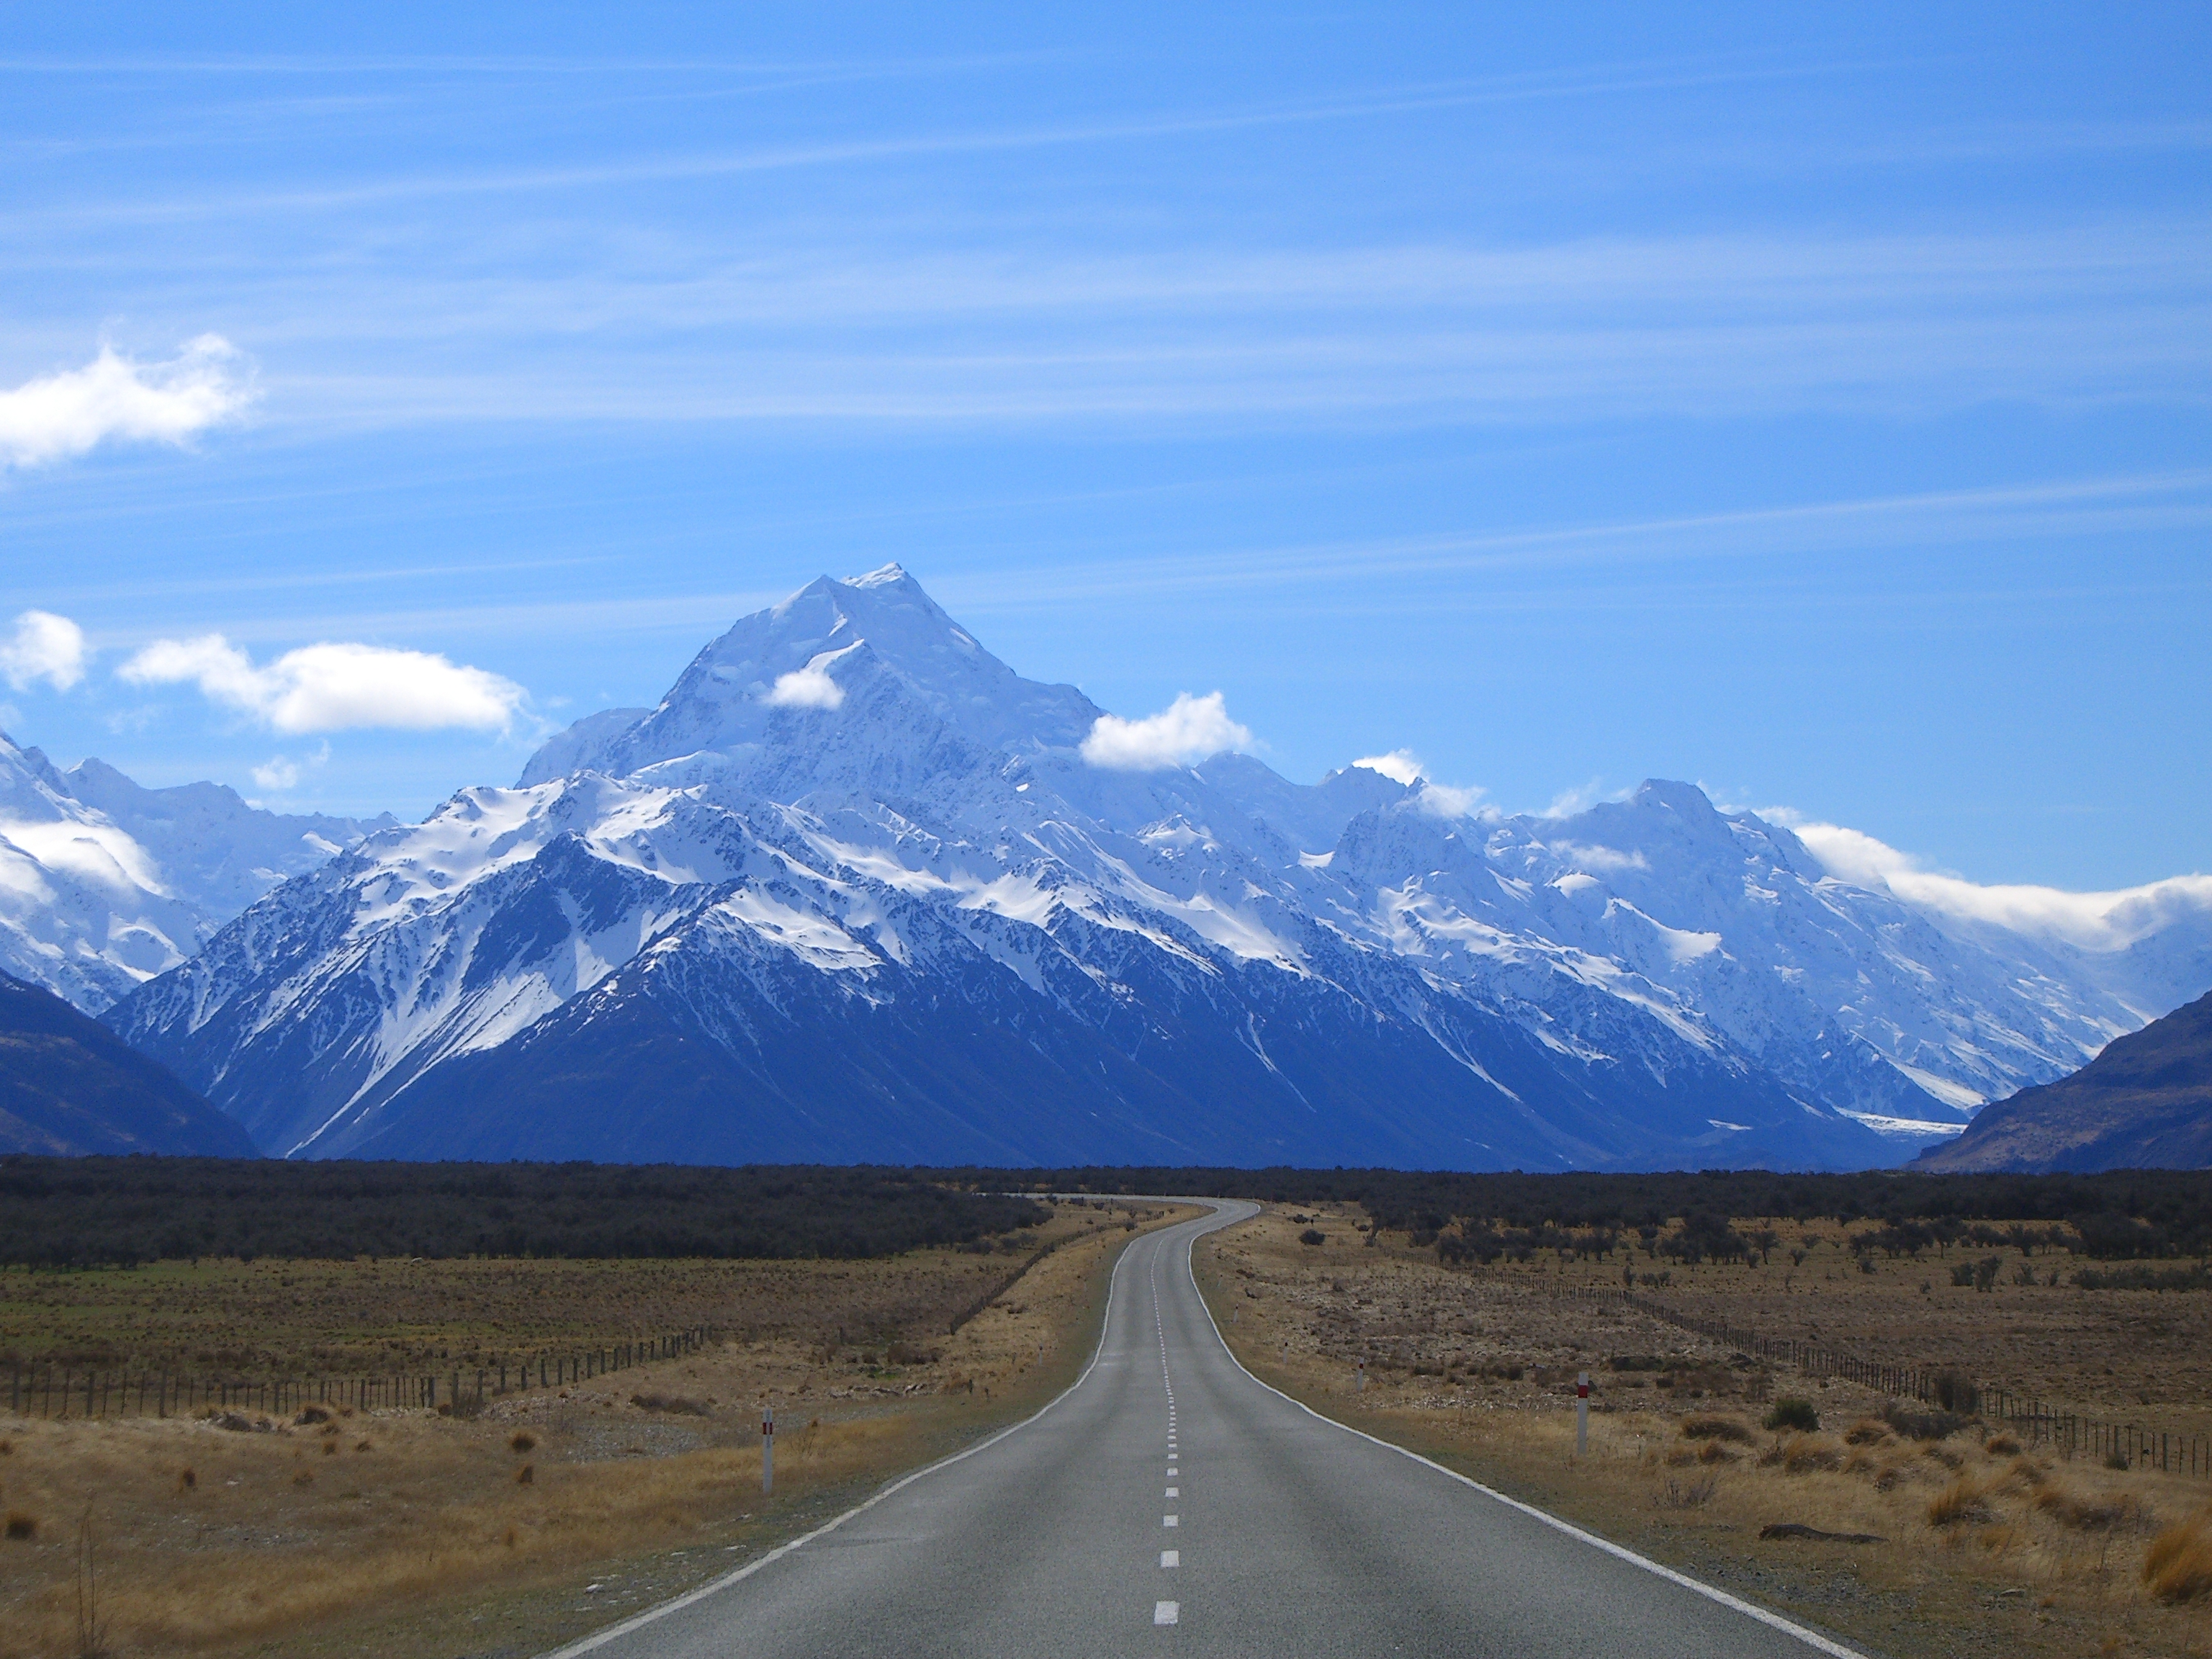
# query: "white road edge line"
(1710, 1592)
(638, 1621)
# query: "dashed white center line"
(1167, 1612)
(1171, 1521)
(1174, 1492)
(1170, 1557)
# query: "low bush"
(523, 1441)
(1924, 1426)
(1867, 1431)
(674, 1405)
(20, 1528)
(1313, 1236)
(1796, 1414)
(1710, 1427)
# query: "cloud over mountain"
(1189, 728)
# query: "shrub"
(1790, 1413)
(2002, 1445)
(2177, 1567)
(523, 1441)
(1954, 1391)
(186, 1481)
(1867, 1431)
(1676, 1496)
(1313, 1236)
(675, 1405)
(1715, 1428)
(1923, 1425)
(21, 1527)
(526, 1475)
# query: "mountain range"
(104, 883)
(855, 890)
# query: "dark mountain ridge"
(2144, 1104)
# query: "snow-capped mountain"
(852, 890)
(104, 885)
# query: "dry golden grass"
(1982, 1548)
(478, 1532)
(2178, 1565)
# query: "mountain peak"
(840, 668)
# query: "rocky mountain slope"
(2144, 1104)
(104, 884)
(69, 1086)
(854, 889)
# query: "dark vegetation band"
(2127, 1214)
(79, 1211)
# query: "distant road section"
(1168, 1502)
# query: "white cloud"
(2095, 922)
(1568, 803)
(1188, 729)
(329, 687)
(44, 647)
(1442, 801)
(1399, 766)
(1446, 800)
(810, 687)
(1601, 861)
(65, 414)
(277, 775)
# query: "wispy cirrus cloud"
(56, 417)
(332, 687)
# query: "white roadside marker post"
(1582, 1414)
(768, 1451)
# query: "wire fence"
(58, 1393)
(1946, 1388)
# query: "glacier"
(851, 891)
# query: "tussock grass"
(2070, 1508)
(1960, 1501)
(2178, 1565)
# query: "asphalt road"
(1170, 1503)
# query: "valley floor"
(1972, 1544)
(549, 1513)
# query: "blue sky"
(1815, 409)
